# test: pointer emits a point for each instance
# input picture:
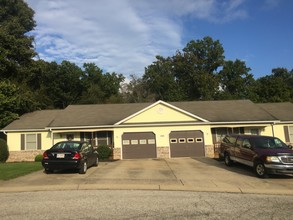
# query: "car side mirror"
(290, 146)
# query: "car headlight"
(273, 159)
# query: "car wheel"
(227, 160)
(97, 162)
(260, 169)
(83, 168)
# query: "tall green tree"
(8, 102)
(190, 74)
(63, 85)
(277, 87)
(16, 57)
(100, 87)
(16, 47)
(235, 80)
(196, 68)
(137, 91)
(160, 79)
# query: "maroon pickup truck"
(266, 155)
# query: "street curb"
(144, 187)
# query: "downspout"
(273, 129)
(51, 134)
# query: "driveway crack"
(173, 172)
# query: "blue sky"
(124, 36)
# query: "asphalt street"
(142, 204)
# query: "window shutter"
(22, 142)
(286, 132)
(39, 141)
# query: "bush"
(4, 153)
(39, 158)
(104, 152)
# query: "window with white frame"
(31, 141)
(173, 140)
(182, 140)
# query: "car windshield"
(268, 143)
(67, 146)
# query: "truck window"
(239, 142)
(246, 143)
(229, 140)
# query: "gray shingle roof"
(226, 111)
(109, 114)
(283, 111)
(33, 120)
(95, 115)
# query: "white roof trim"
(284, 122)
(25, 130)
(92, 128)
(163, 103)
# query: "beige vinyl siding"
(160, 113)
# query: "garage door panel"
(139, 152)
(136, 145)
(186, 144)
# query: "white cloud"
(122, 36)
(271, 4)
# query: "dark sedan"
(78, 155)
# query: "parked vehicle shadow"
(69, 171)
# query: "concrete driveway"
(189, 174)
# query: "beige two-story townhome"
(149, 130)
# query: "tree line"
(197, 72)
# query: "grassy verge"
(13, 170)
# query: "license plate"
(60, 156)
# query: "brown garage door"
(186, 144)
(136, 145)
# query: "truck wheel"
(260, 169)
(83, 168)
(227, 160)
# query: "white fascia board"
(284, 122)
(23, 130)
(164, 103)
(244, 122)
(251, 123)
(79, 127)
(147, 125)
(161, 124)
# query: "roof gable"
(161, 112)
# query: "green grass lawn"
(13, 170)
